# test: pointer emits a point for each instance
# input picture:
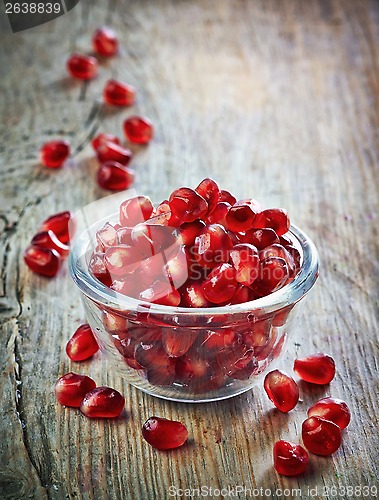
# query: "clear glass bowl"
(231, 347)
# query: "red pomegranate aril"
(160, 367)
(187, 205)
(245, 260)
(114, 323)
(106, 236)
(226, 196)
(246, 371)
(282, 390)
(190, 230)
(222, 339)
(332, 409)
(320, 436)
(105, 42)
(240, 217)
(258, 335)
(153, 238)
(60, 224)
(102, 402)
(176, 342)
(97, 267)
(124, 236)
(191, 369)
(164, 434)
(82, 67)
(121, 259)
(135, 210)
(176, 270)
(54, 153)
(218, 215)
(103, 138)
(317, 368)
(114, 176)
(192, 295)
(273, 273)
(277, 250)
(71, 389)
(47, 239)
(110, 151)
(274, 218)
(290, 459)
(82, 344)
(212, 246)
(44, 261)
(162, 293)
(237, 357)
(294, 252)
(241, 295)
(210, 191)
(260, 238)
(220, 284)
(119, 93)
(138, 129)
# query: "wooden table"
(273, 99)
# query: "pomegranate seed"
(114, 323)
(82, 345)
(104, 41)
(246, 371)
(97, 267)
(44, 261)
(245, 260)
(60, 224)
(138, 129)
(150, 270)
(102, 402)
(121, 259)
(54, 153)
(273, 273)
(114, 176)
(210, 191)
(282, 390)
(160, 367)
(241, 295)
(187, 205)
(212, 246)
(227, 197)
(161, 293)
(274, 218)
(281, 317)
(229, 361)
(258, 335)
(119, 94)
(193, 295)
(320, 436)
(318, 368)
(106, 236)
(218, 215)
(190, 230)
(124, 236)
(220, 284)
(82, 67)
(151, 238)
(277, 250)
(260, 238)
(110, 151)
(176, 270)
(294, 252)
(135, 210)
(176, 342)
(219, 340)
(164, 434)
(191, 369)
(290, 459)
(71, 389)
(47, 239)
(240, 217)
(332, 409)
(102, 138)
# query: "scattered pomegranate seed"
(47, 239)
(102, 402)
(71, 389)
(212, 246)
(119, 94)
(318, 368)
(164, 434)
(114, 176)
(138, 129)
(82, 67)
(187, 205)
(60, 224)
(210, 191)
(102, 138)
(245, 260)
(320, 436)
(82, 344)
(110, 151)
(54, 153)
(220, 284)
(290, 459)
(282, 390)
(135, 210)
(274, 218)
(332, 409)
(44, 261)
(104, 41)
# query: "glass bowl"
(220, 352)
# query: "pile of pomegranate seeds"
(321, 431)
(50, 245)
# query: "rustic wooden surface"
(273, 98)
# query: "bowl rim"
(285, 296)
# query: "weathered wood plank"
(275, 99)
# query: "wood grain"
(272, 98)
